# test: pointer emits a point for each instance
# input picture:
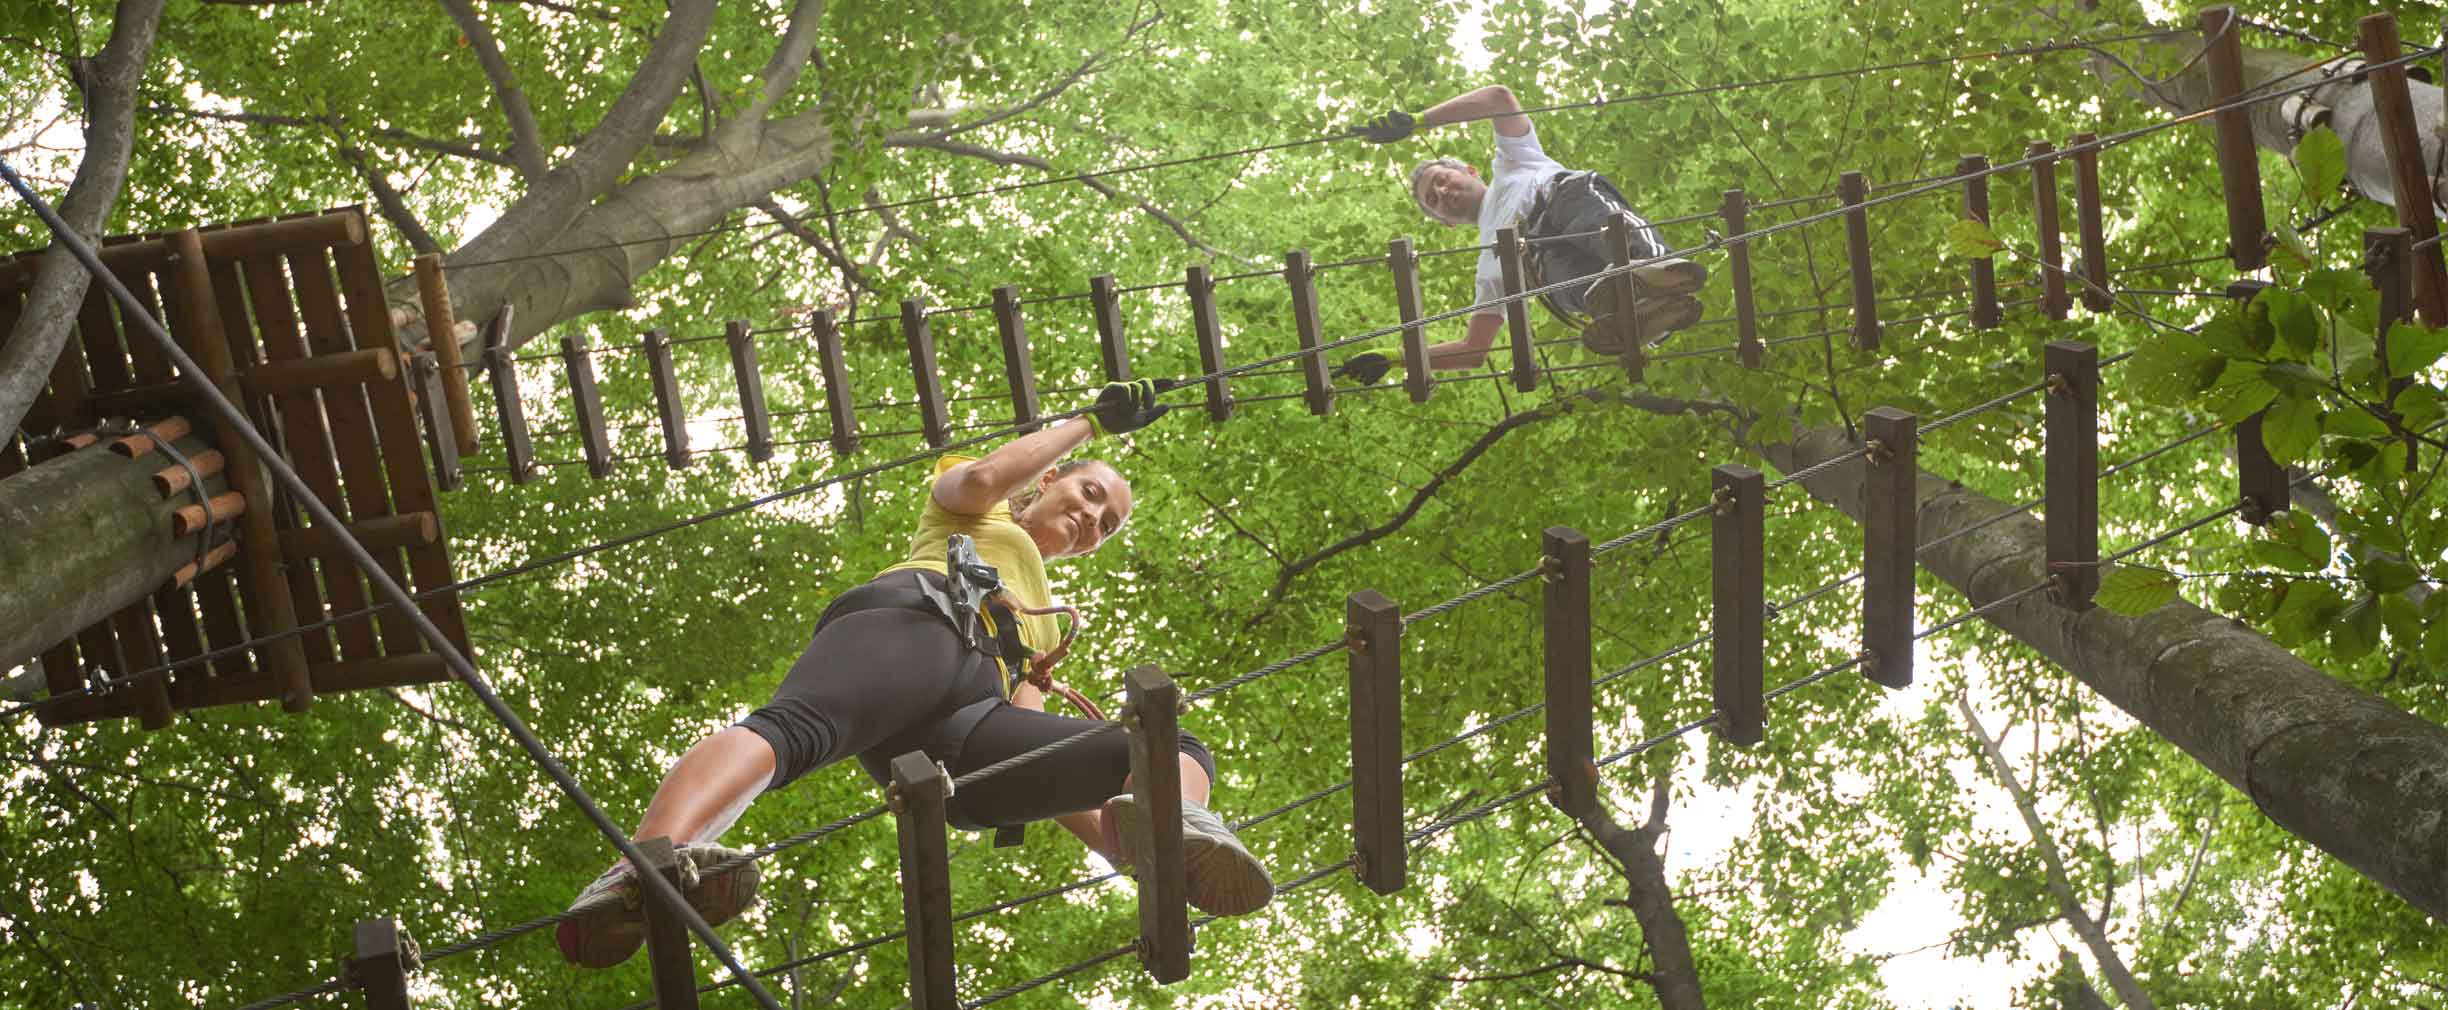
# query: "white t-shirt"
(1520, 170)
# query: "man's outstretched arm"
(1472, 349)
(1495, 100)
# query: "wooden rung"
(175, 479)
(919, 788)
(1017, 372)
(383, 533)
(932, 417)
(1975, 170)
(141, 646)
(168, 429)
(1622, 237)
(191, 519)
(845, 437)
(442, 441)
(1891, 533)
(1152, 714)
(669, 409)
(1105, 297)
(586, 404)
(442, 331)
(1735, 211)
(379, 966)
(2260, 481)
(349, 368)
(1854, 188)
(2239, 163)
(669, 955)
(2071, 498)
(2410, 182)
(1200, 286)
(379, 672)
(754, 416)
(2389, 262)
(216, 557)
(60, 671)
(1565, 629)
(1737, 625)
(518, 447)
(2088, 227)
(1418, 379)
(1373, 636)
(1316, 389)
(1509, 251)
(2053, 301)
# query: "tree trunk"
(87, 535)
(2341, 769)
(1673, 975)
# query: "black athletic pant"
(887, 675)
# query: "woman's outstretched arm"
(974, 487)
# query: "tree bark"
(87, 535)
(1673, 975)
(2345, 771)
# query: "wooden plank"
(2410, 179)
(2071, 502)
(2053, 301)
(1891, 533)
(1373, 639)
(148, 363)
(1418, 379)
(387, 671)
(442, 331)
(845, 437)
(1105, 298)
(669, 955)
(105, 357)
(1854, 188)
(518, 447)
(1565, 631)
(1509, 252)
(1748, 347)
(1738, 581)
(669, 409)
(224, 626)
(932, 417)
(309, 443)
(379, 965)
(919, 788)
(1974, 168)
(1621, 235)
(586, 404)
(1152, 714)
(174, 607)
(2088, 227)
(2239, 163)
(234, 242)
(1018, 373)
(2260, 481)
(1316, 389)
(355, 436)
(441, 442)
(754, 417)
(2389, 262)
(140, 649)
(61, 674)
(1200, 286)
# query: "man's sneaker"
(1670, 277)
(1224, 878)
(1658, 317)
(1364, 369)
(607, 923)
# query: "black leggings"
(886, 675)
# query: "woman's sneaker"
(1224, 878)
(607, 924)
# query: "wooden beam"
(518, 447)
(138, 446)
(1201, 289)
(232, 243)
(1105, 298)
(845, 437)
(669, 955)
(1509, 252)
(441, 442)
(1419, 380)
(1975, 171)
(670, 410)
(586, 404)
(2410, 181)
(1620, 236)
(304, 375)
(1571, 740)
(2260, 481)
(442, 331)
(2088, 224)
(1735, 210)
(2053, 301)
(379, 967)
(2071, 428)
(189, 520)
(2388, 259)
(1316, 389)
(1891, 533)
(919, 789)
(754, 416)
(2239, 163)
(1738, 580)
(1855, 190)
(141, 650)
(383, 533)
(1373, 639)
(933, 419)
(1018, 373)
(1152, 714)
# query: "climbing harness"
(974, 599)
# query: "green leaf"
(2414, 348)
(2306, 608)
(2291, 429)
(2419, 408)
(2296, 320)
(2133, 590)
(2320, 157)
(1971, 238)
(2169, 372)
(2292, 544)
(2260, 333)
(2225, 333)
(2355, 422)
(2237, 400)
(2388, 575)
(2405, 626)
(2295, 378)
(2435, 646)
(2356, 632)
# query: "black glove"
(1128, 406)
(1364, 369)
(1389, 128)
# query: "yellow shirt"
(1000, 542)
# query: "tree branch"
(526, 148)
(852, 276)
(387, 199)
(1096, 61)
(782, 69)
(456, 148)
(1148, 207)
(1673, 975)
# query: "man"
(1452, 193)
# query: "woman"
(888, 673)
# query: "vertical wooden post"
(2260, 481)
(1891, 534)
(2409, 177)
(1565, 628)
(1975, 170)
(2053, 301)
(1738, 580)
(141, 649)
(2389, 262)
(2088, 225)
(1855, 190)
(1517, 311)
(442, 331)
(1316, 389)
(1373, 634)
(441, 442)
(1200, 287)
(754, 417)
(1106, 299)
(1620, 235)
(1017, 372)
(919, 789)
(1153, 718)
(270, 610)
(845, 437)
(2239, 164)
(380, 964)
(518, 448)
(932, 416)
(668, 407)
(1735, 210)
(668, 952)
(1418, 379)
(586, 404)
(2071, 370)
